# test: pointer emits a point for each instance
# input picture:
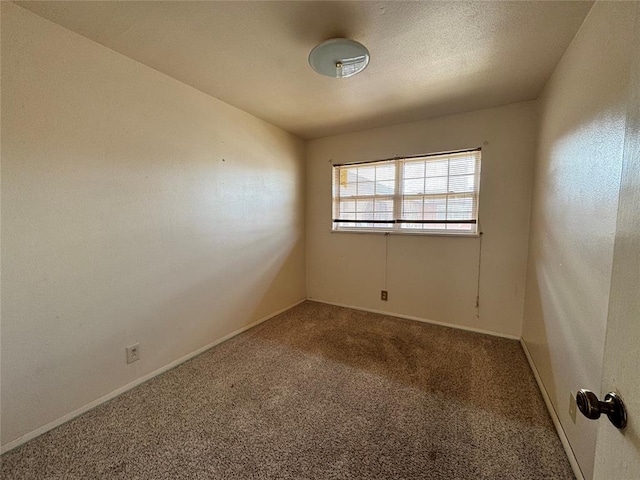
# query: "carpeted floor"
(318, 392)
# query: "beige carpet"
(318, 392)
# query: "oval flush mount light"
(339, 58)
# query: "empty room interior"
(320, 240)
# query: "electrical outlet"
(133, 353)
(572, 406)
(384, 295)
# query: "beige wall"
(134, 209)
(573, 224)
(431, 277)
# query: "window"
(435, 194)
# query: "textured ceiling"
(427, 58)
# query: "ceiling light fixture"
(339, 58)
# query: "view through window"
(433, 193)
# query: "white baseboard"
(554, 416)
(419, 319)
(109, 396)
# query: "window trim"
(398, 197)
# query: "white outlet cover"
(133, 353)
(573, 407)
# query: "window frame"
(398, 197)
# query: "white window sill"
(400, 232)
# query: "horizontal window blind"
(435, 193)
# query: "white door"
(618, 451)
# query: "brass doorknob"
(612, 407)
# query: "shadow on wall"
(579, 164)
(249, 289)
(573, 226)
(573, 219)
(560, 283)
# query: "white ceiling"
(427, 58)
